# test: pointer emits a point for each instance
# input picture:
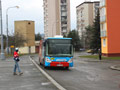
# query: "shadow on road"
(57, 68)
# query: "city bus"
(56, 52)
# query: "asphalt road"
(32, 78)
(87, 74)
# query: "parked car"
(82, 49)
(90, 51)
(93, 51)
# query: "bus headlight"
(70, 61)
(47, 60)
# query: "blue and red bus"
(56, 52)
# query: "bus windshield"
(60, 47)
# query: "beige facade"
(56, 17)
(86, 13)
(26, 50)
(27, 30)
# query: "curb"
(115, 67)
(94, 60)
(47, 75)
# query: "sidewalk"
(115, 64)
(115, 67)
(32, 78)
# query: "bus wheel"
(40, 63)
(45, 67)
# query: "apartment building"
(110, 27)
(56, 17)
(27, 30)
(86, 13)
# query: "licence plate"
(59, 64)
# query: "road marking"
(27, 72)
(48, 76)
(46, 83)
(24, 86)
(31, 64)
(34, 69)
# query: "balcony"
(64, 31)
(82, 19)
(64, 25)
(103, 33)
(63, 9)
(102, 3)
(63, 4)
(82, 25)
(103, 18)
(64, 14)
(63, 20)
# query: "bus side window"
(44, 51)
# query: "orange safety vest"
(16, 54)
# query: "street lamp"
(7, 46)
(2, 45)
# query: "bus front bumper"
(60, 64)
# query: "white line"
(48, 76)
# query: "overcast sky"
(32, 10)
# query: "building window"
(104, 42)
(63, 1)
(29, 23)
(103, 11)
(102, 3)
(97, 5)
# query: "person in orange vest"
(16, 59)
(100, 54)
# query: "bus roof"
(58, 38)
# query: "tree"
(95, 42)
(38, 37)
(75, 39)
(88, 35)
(17, 40)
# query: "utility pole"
(7, 44)
(2, 45)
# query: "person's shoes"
(20, 73)
(14, 73)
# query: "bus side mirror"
(44, 44)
